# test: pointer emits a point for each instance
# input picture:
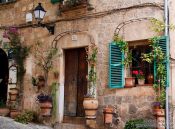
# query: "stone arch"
(63, 34)
(4, 75)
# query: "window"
(137, 49)
(117, 69)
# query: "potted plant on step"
(90, 102)
(14, 112)
(45, 104)
(4, 110)
(127, 61)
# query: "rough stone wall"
(131, 103)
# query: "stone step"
(74, 120)
(69, 126)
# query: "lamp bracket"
(50, 28)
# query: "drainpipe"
(166, 34)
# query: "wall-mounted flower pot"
(90, 106)
(141, 81)
(108, 115)
(46, 108)
(129, 82)
(4, 111)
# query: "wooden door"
(76, 69)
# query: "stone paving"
(8, 123)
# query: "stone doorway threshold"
(74, 120)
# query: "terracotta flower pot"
(159, 112)
(90, 105)
(14, 113)
(150, 79)
(13, 96)
(14, 90)
(46, 108)
(141, 81)
(4, 111)
(108, 115)
(129, 82)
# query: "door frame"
(61, 81)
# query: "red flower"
(135, 72)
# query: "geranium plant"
(139, 74)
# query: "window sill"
(145, 85)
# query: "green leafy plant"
(137, 124)
(25, 117)
(157, 56)
(54, 89)
(123, 45)
(20, 51)
(159, 26)
(92, 51)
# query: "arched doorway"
(4, 75)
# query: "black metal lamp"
(39, 13)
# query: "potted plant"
(127, 61)
(45, 104)
(14, 112)
(13, 93)
(4, 110)
(108, 112)
(90, 102)
(140, 76)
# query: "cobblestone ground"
(7, 123)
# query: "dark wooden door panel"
(76, 69)
(82, 81)
(71, 71)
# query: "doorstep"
(74, 120)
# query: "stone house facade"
(74, 30)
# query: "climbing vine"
(19, 51)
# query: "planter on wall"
(4, 111)
(129, 82)
(46, 108)
(90, 105)
(108, 115)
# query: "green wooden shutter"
(164, 44)
(116, 68)
(56, 1)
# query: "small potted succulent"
(140, 76)
(14, 112)
(45, 104)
